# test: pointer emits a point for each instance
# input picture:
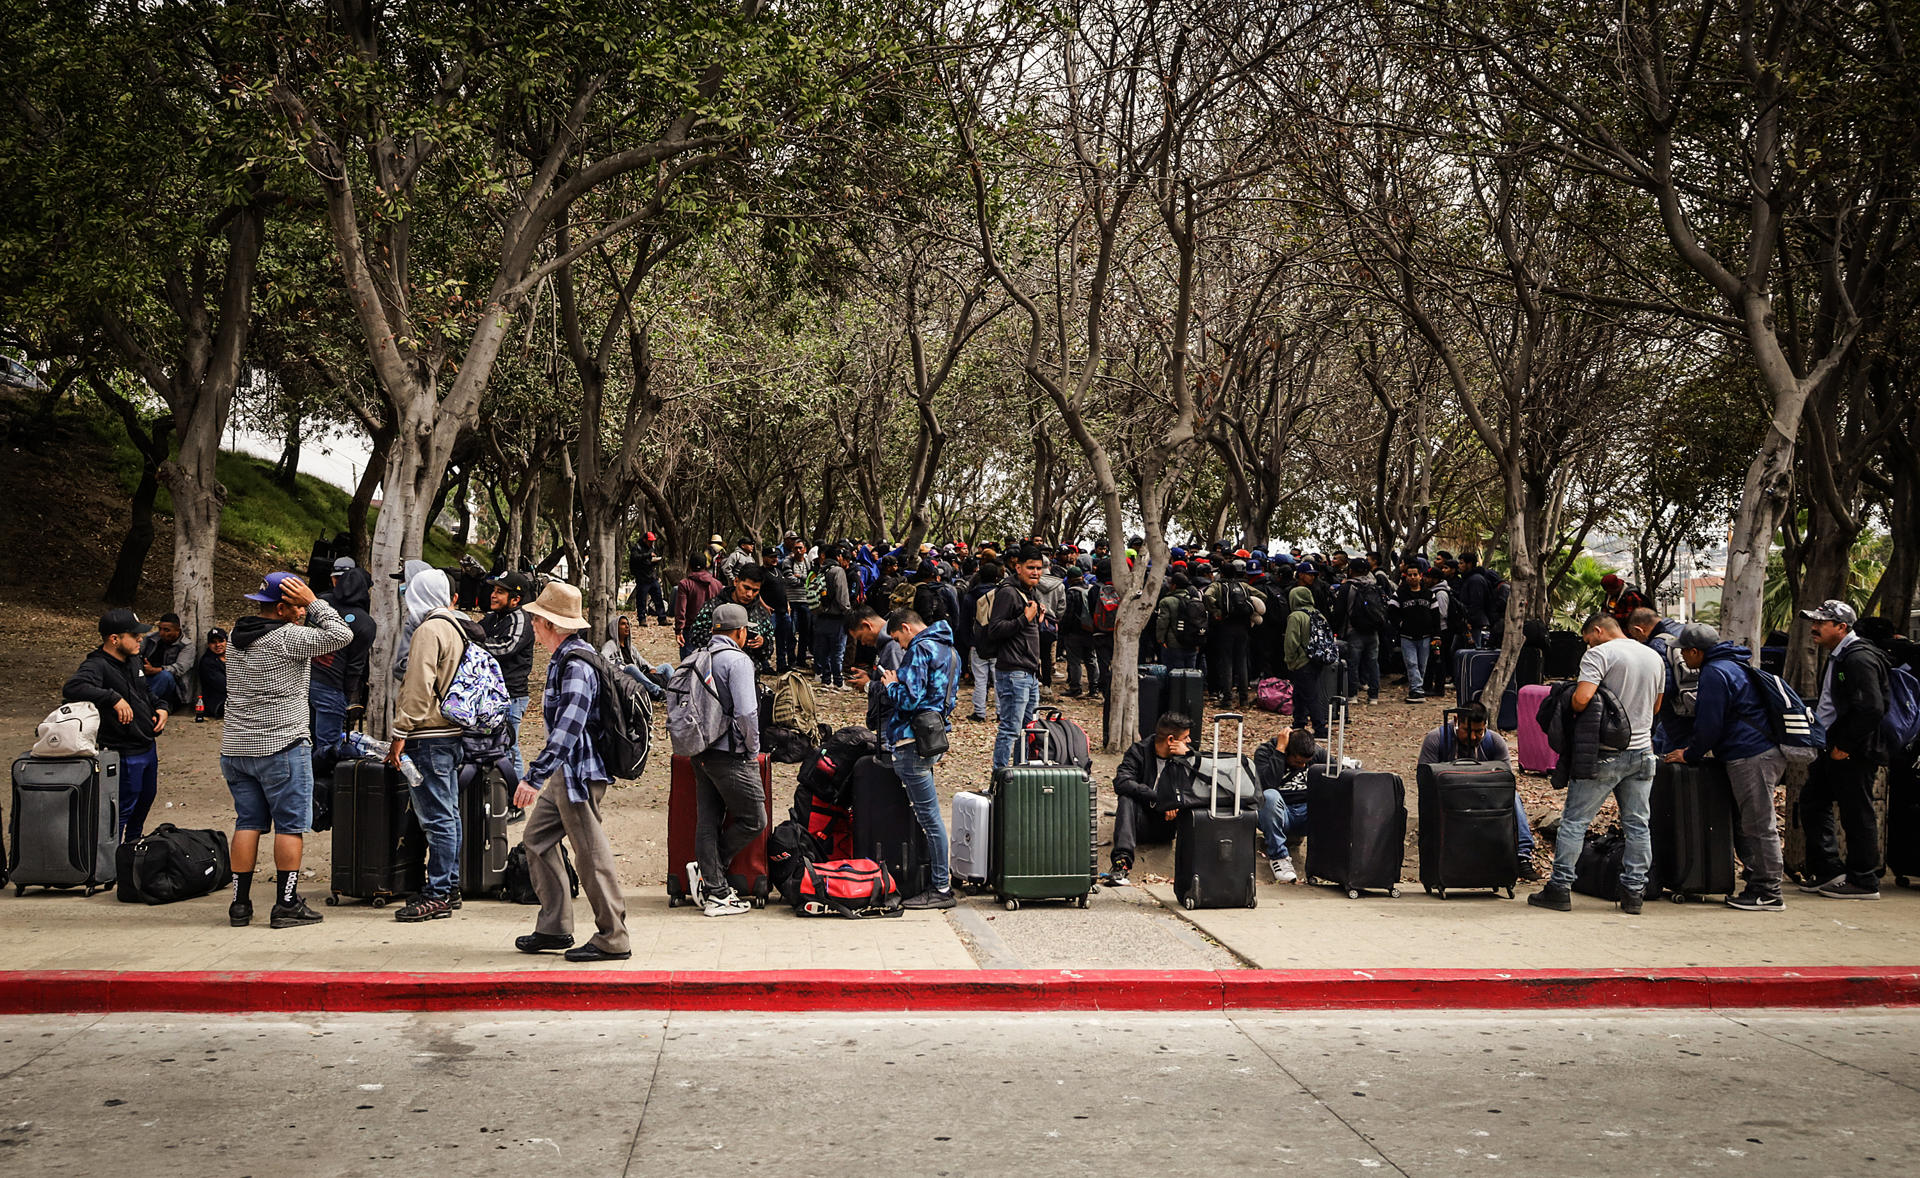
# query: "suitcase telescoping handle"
(1046, 738)
(1213, 790)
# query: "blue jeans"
(329, 706)
(1526, 832)
(1281, 819)
(1363, 664)
(1414, 652)
(1629, 778)
(982, 680)
(1019, 699)
(516, 712)
(436, 802)
(829, 650)
(167, 692)
(654, 691)
(802, 632)
(274, 792)
(139, 783)
(916, 775)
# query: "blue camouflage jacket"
(929, 677)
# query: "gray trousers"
(726, 786)
(1756, 833)
(555, 815)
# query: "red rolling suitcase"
(748, 871)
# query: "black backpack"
(516, 884)
(828, 774)
(1364, 613)
(789, 849)
(1190, 621)
(624, 736)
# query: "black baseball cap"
(216, 635)
(121, 621)
(514, 583)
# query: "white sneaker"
(696, 886)
(727, 903)
(1282, 870)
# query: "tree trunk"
(362, 503)
(286, 472)
(129, 567)
(603, 563)
(416, 458)
(197, 499)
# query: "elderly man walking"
(565, 788)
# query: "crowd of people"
(925, 635)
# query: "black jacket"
(1859, 703)
(1149, 781)
(1583, 738)
(104, 681)
(509, 639)
(346, 668)
(1016, 641)
(1475, 597)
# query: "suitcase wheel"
(333, 901)
(19, 889)
(1253, 901)
(673, 901)
(1010, 904)
(1190, 903)
(1353, 893)
(1427, 888)
(1676, 897)
(1081, 902)
(1393, 893)
(1901, 881)
(1443, 893)
(1095, 890)
(379, 901)
(1497, 890)
(759, 901)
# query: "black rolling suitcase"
(1215, 849)
(1356, 823)
(1186, 693)
(1565, 649)
(1153, 695)
(379, 852)
(1468, 838)
(1692, 825)
(64, 827)
(884, 828)
(483, 831)
(1903, 818)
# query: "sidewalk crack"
(1318, 1099)
(652, 1081)
(1758, 1030)
(56, 1045)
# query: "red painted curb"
(106, 992)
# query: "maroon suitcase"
(748, 871)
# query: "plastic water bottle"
(359, 744)
(409, 770)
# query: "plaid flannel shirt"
(570, 707)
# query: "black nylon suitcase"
(1692, 824)
(1186, 693)
(1153, 695)
(64, 824)
(379, 851)
(1468, 838)
(1565, 649)
(483, 831)
(884, 828)
(1215, 849)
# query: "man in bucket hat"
(563, 792)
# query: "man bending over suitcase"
(265, 747)
(1467, 739)
(1146, 812)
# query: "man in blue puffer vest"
(1730, 722)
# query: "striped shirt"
(267, 683)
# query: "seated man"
(211, 673)
(1469, 740)
(1283, 800)
(1145, 811)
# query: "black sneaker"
(1847, 891)
(1631, 903)
(1118, 877)
(293, 915)
(515, 814)
(1552, 896)
(1813, 887)
(1757, 902)
(240, 913)
(425, 908)
(1527, 871)
(931, 898)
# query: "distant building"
(1703, 593)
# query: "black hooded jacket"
(104, 681)
(346, 669)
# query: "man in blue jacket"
(927, 682)
(1730, 723)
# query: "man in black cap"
(112, 679)
(211, 674)
(510, 641)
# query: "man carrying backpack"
(1230, 611)
(714, 715)
(424, 735)
(1853, 702)
(1359, 616)
(1310, 650)
(564, 789)
(1076, 633)
(1730, 724)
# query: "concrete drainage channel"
(1123, 928)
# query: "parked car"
(15, 375)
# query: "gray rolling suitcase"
(969, 857)
(65, 825)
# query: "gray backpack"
(698, 716)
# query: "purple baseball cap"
(272, 589)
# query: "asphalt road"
(1644, 1094)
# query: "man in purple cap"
(265, 746)
(1853, 701)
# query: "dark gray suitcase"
(379, 852)
(1215, 849)
(1186, 693)
(483, 831)
(1153, 695)
(65, 825)
(1468, 836)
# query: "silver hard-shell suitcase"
(971, 836)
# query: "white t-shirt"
(1633, 673)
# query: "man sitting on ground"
(167, 658)
(1283, 800)
(1469, 739)
(1145, 811)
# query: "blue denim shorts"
(274, 792)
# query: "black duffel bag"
(169, 864)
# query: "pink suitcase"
(1536, 755)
